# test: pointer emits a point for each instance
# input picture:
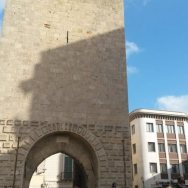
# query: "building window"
(183, 148)
(181, 130)
(68, 167)
(133, 129)
(170, 129)
(160, 128)
(153, 167)
(185, 167)
(174, 168)
(135, 169)
(163, 168)
(149, 127)
(161, 147)
(134, 148)
(172, 148)
(151, 146)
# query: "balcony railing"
(164, 176)
(175, 175)
(65, 176)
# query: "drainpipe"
(124, 162)
(15, 164)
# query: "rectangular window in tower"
(159, 128)
(161, 147)
(151, 146)
(153, 167)
(135, 169)
(183, 148)
(134, 148)
(133, 129)
(172, 148)
(163, 168)
(181, 130)
(174, 168)
(149, 127)
(68, 168)
(170, 129)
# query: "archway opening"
(59, 171)
(79, 155)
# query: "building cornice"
(158, 114)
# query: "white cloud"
(132, 70)
(2, 4)
(131, 48)
(173, 103)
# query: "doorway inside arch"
(59, 171)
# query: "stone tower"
(63, 89)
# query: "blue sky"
(157, 49)
(157, 53)
(2, 4)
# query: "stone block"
(6, 145)
(3, 137)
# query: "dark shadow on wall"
(81, 81)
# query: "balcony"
(173, 155)
(171, 136)
(185, 175)
(160, 135)
(65, 176)
(164, 176)
(184, 156)
(181, 136)
(162, 155)
(175, 175)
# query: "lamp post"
(142, 179)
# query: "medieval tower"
(63, 89)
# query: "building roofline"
(142, 111)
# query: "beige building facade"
(56, 171)
(63, 89)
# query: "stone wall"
(63, 63)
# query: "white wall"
(143, 157)
(48, 171)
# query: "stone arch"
(72, 139)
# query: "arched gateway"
(63, 89)
(73, 140)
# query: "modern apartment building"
(159, 147)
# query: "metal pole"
(123, 143)
(15, 164)
(67, 37)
